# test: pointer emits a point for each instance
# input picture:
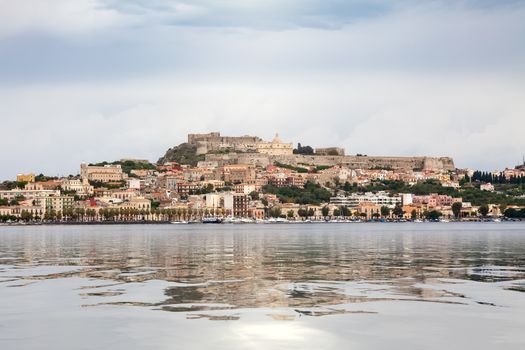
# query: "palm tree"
(81, 212)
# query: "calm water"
(316, 286)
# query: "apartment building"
(379, 198)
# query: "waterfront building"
(435, 200)
(27, 194)
(236, 204)
(55, 203)
(379, 198)
(139, 203)
(419, 209)
(34, 210)
(256, 212)
(214, 200)
(369, 209)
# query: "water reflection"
(248, 266)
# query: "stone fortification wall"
(214, 142)
(366, 162)
(353, 162)
(330, 151)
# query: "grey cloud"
(448, 41)
(433, 77)
(286, 14)
(479, 125)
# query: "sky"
(93, 80)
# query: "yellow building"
(105, 173)
(275, 148)
(25, 177)
(371, 210)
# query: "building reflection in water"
(273, 265)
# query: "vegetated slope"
(182, 154)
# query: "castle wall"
(366, 162)
(353, 162)
(269, 152)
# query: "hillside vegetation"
(182, 154)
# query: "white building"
(379, 198)
(487, 187)
(27, 194)
(213, 200)
(134, 183)
(81, 187)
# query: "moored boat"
(211, 220)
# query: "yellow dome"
(276, 139)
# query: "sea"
(263, 286)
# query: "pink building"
(435, 200)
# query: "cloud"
(95, 80)
(412, 39)
(54, 16)
(371, 114)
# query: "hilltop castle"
(213, 142)
(254, 150)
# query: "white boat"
(229, 220)
(179, 222)
(211, 220)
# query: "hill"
(184, 153)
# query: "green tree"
(290, 214)
(337, 212)
(275, 212)
(433, 215)
(413, 214)
(398, 211)
(385, 211)
(456, 209)
(325, 211)
(302, 212)
(25, 215)
(345, 211)
(483, 210)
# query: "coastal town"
(228, 179)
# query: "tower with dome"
(275, 148)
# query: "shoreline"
(242, 223)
